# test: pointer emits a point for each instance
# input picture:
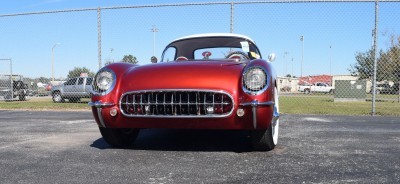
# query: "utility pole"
(330, 60)
(232, 16)
(154, 29)
(302, 55)
(52, 61)
(285, 62)
(292, 69)
(99, 36)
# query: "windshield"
(205, 48)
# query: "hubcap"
(57, 97)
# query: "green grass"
(44, 104)
(326, 105)
(300, 104)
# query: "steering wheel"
(237, 55)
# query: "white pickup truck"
(319, 87)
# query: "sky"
(333, 33)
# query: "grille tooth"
(175, 103)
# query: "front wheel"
(22, 95)
(266, 140)
(119, 137)
(8, 97)
(57, 98)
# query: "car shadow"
(187, 140)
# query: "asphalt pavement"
(66, 147)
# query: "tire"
(22, 95)
(306, 91)
(8, 97)
(267, 139)
(57, 98)
(119, 137)
(331, 91)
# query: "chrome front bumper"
(99, 105)
(254, 104)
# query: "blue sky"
(333, 32)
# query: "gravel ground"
(66, 147)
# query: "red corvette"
(207, 81)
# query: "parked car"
(318, 87)
(386, 88)
(395, 88)
(207, 81)
(73, 89)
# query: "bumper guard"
(254, 104)
(99, 105)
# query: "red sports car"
(206, 81)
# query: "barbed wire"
(193, 4)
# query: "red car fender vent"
(177, 103)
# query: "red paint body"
(225, 75)
(198, 73)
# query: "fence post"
(232, 13)
(375, 48)
(99, 35)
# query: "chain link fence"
(325, 49)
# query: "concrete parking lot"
(66, 147)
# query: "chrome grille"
(176, 103)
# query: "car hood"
(213, 75)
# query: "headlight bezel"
(96, 90)
(245, 81)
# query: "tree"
(388, 63)
(108, 62)
(77, 71)
(43, 80)
(365, 65)
(130, 59)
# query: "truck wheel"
(8, 97)
(119, 137)
(331, 91)
(57, 98)
(266, 140)
(306, 91)
(22, 95)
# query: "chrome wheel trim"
(275, 119)
(57, 97)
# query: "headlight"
(254, 80)
(104, 81)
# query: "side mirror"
(271, 57)
(153, 59)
